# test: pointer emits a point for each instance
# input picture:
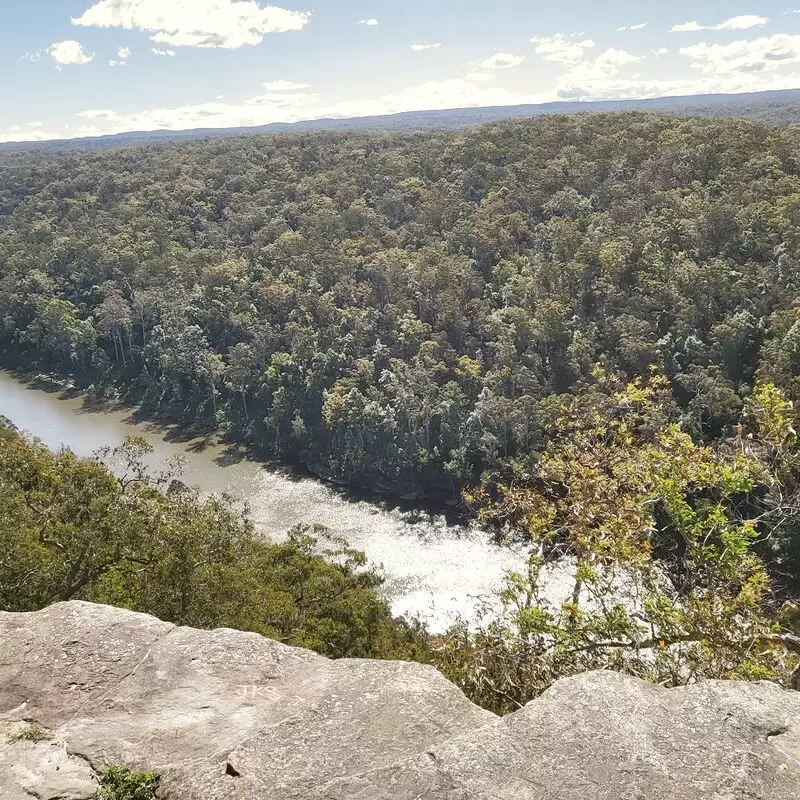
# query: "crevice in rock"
(231, 770)
(82, 757)
(774, 734)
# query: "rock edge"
(226, 714)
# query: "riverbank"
(435, 568)
(417, 505)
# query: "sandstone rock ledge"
(224, 714)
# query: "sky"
(91, 67)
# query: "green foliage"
(69, 529)
(661, 534)
(120, 783)
(394, 310)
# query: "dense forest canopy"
(395, 310)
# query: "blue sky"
(88, 67)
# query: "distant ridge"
(775, 106)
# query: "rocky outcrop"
(223, 714)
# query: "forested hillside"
(397, 310)
(587, 327)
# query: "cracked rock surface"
(223, 714)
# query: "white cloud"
(596, 79)
(746, 66)
(69, 52)
(294, 106)
(451, 93)
(159, 52)
(502, 61)
(35, 124)
(33, 57)
(123, 53)
(743, 66)
(588, 78)
(291, 106)
(368, 22)
(14, 133)
(766, 63)
(481, 77)
(562, 48)
(278, 101)
(763, 55)
(740, 23)
(688, 27)
(284, 86)
(419, 47)
(283, 95)
(639, 26)
(642, 89)
(199, 23)
(277, 104)
(607, 65)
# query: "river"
(433, 569)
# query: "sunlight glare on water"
(433, 569)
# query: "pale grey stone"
(224, 714)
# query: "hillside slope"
(395, 311)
